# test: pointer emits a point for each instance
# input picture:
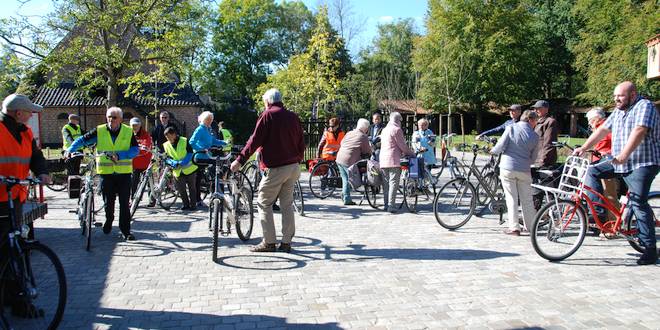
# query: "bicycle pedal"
(225, 233)
(98, 224)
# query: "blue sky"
(374, 12)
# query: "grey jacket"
(518, 146)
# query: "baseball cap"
(516, 107)
(541, 104)
(19, 102)
(135, 121)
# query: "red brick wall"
(51, 127)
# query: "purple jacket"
(393, 145)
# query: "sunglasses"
(113, 117)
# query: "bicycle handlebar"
(12, 181)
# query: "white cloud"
(385, 19)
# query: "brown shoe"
(284, 247)
(514, 232)
(263, 247)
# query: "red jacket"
(141, 162)
(603, 146)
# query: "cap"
(19, 102)
(541, 104)
(135, 121)
(516, 107)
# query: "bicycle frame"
(581, 195)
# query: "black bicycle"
(32, 281)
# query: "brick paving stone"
(351, 268)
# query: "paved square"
(351, 268)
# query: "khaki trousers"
(518, 187)
(277, 183)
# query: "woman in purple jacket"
(393, 146)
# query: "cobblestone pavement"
(351, 268)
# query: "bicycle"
(31, 274)
(415, 184)
(447, 160)
(491, 173)
(457, 199)
(560, 226)
(156, 169)
(58, 175)
(324, 178)
(367, 190)
(86, 210)
(237, 201)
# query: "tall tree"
(475, 52)
(108, 43)
(611, 45)
(312, 80)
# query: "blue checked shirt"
(622, 122)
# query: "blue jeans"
(639, 184)
(593, 179)
(345, 186)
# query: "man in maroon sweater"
(280, 135)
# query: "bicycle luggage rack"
(571, 181)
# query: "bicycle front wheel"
(216, 219)
(491, 181)
(89, 220)
(371, 193)
(36, 293)
(58, 182)
(298, 200)
(99, 193)
(558, 230)
(454, 204)
(137, 196)
(252, 173)
(631, 225)
(322, 180)
(244, 214)
(168, 194)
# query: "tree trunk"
(113, 92)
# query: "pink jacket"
(393, 145)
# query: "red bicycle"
(560, 225)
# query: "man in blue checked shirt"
(635, 127)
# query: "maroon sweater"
(280, 135)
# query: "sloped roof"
(168, 94)
(404, 106)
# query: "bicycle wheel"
(410, 194)
(490, 180)
(59, 182)
(298, 200)
(631, 225)
(216, 219)
(42, 285)
(89, 220)
(99, 193)
(323, 179)
(244, 214)
(558, 230)
(139, 192)
(254, 175)
(168, 195)
(371, 193)
(454, 204)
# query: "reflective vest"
(226, 136)
(179, 154)
(104, 165)
(75, 133)
(15, 161)
(331, 145)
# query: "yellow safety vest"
(104, 143)
(178, 154)
(75, 133)
(226, 136)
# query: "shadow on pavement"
(110, 318)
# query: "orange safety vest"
(331, 145)
(15, 161)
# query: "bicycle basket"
(575, 171)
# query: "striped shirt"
(623, 122)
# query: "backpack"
(374, 173)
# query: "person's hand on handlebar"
(578, 151)
(235, 166)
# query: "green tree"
(312, 80)
(611, 46)
(389, 63)
(104, 44)
(476, 52)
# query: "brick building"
(182, 103)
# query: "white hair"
(202, 117)
(116, 110)
(362, 124)
(395, 116)
(423, 121)
(272, 95)
(596, 112)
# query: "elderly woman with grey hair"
(393, 146)
(354, 146)
(519, 148)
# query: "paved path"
(351, 268)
